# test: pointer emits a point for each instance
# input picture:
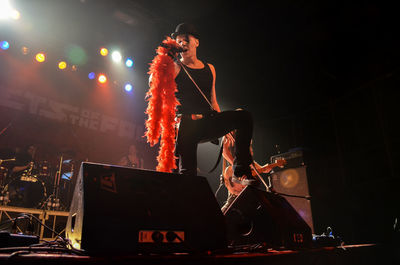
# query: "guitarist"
(236, 186)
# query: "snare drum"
(26, 191)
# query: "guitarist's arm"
(268, 167)
(226, 150)
(262, 169)
(227, 154)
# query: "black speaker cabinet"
(125, 210)
(293, 181)
(260, 217)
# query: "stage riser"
(56, 220)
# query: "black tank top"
(188, 95)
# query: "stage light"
(25, 50)
(128, 87)
(74, 68)
(91, 75)
(15, 14)
(62, 65)
(129, 62)
(102, 78)
(103, 51)
(116, 56)
(40, 57)
(7, 11)
(76, 55)
(4, 45)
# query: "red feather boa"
(161, 108)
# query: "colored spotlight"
(102, 78)
(62, 65)
(40, 57)
(25, 50)
(103, 51)
(76, 55)
(129, 62)
(91, 75)
(4, 45)
(128, 87)
(116, 56)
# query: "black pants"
(191, 132)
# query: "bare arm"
(226, 153)
(214, 101)
(20, 168)
(177, 70)
(123, 161)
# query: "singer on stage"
(200, 116)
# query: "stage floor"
(347, 254)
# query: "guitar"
(236, 188)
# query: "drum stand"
(53, 201)
(4, 194)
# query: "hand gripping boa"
(161, 108)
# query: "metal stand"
(53, 201)
(4, 194)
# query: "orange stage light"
(102, 78)
(25, 50)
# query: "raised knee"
(246, 115)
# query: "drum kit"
(41, 186)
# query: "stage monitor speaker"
(260, 217)
(293, 181)
(119, 210)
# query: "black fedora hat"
(185, 28)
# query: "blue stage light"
(129, 62)
(91, 75)
(4, 45)
(128, 87)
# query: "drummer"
(24, 159)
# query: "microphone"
(173, 49)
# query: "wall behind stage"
(65, 113)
